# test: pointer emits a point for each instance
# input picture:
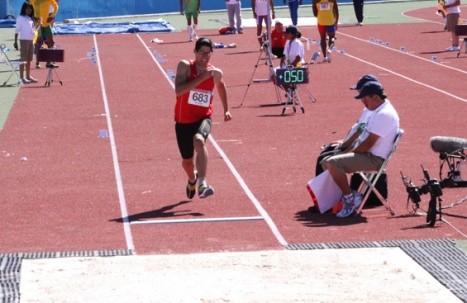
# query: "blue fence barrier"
(70, 9)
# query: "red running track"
(64, 188)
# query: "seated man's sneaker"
(350, 205)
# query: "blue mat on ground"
(158, 25)
(7, 23)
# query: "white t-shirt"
(364, 117)
(294, 48)
(384, 122)
(452, 10)
(25, 28)
(261, 7)
(232, 1)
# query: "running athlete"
(194, 85)
(327, 13)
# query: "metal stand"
(461, 30)
(454, 162)
(293, 99)
(265, 49)
(50, 76)
(463, 45)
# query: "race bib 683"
(200, 97)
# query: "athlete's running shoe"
(191, 188)
(205, 191)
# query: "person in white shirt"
(294, 52)
(260, 12)
(453, 13)
(25, 31)
(234, 9)
(372, 147)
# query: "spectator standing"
(234, 12)
(25, 30)
(358, 8)
(261, 13)
(453, 12)
(327, 13)
(45, 11)
(293, 9)
(192, 10)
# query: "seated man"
(371, 148)
(348, 143)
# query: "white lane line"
(406, 53)
(202, 220)
(113, 146)
(240, 180)
(405, 77)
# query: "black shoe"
(191, 188)
(51, 65)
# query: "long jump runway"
(93, 165)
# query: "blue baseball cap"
(364, 79)
(371, 88)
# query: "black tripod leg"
(56, 74)
(431, 214)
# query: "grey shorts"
(451, 22)
(26, 49)
(352, 162)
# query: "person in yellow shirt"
(45, 11)
(327, 13)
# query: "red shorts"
(323, 29)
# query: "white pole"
(268, 26)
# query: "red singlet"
(197, 104)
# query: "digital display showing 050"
(292, 75)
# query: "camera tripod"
(265, 48)
(293, 99)
(50, 75)
(434, 188)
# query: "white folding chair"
(12, 65)
(371, 177)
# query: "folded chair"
(12, 65)
(371, 177)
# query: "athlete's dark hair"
(203, 42)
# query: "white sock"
(189, 29)
(201, 181)
(194, 30)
